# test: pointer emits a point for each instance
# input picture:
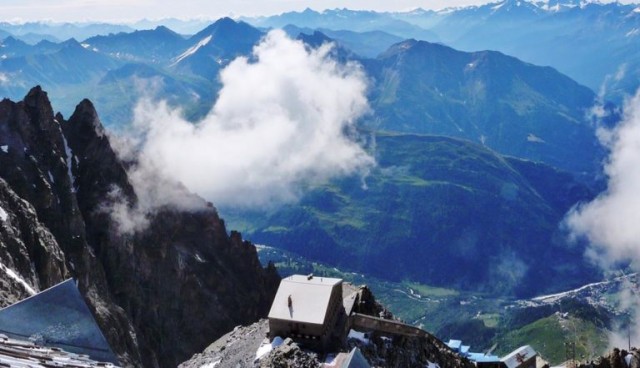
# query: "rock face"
(616, 358)
(159, 294)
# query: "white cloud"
(282, 122)
(628, 328)
(609, 222)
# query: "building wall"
(529, 363)
(488, 364)
(334, 311)
(285, 328)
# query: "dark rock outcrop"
(616, 358)
(161, 293)
(27, 248)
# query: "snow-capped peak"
(545, 5)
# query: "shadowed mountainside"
(159, 294)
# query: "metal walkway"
(386, 326)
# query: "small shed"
(522, 357)
(482, 360)
(307, 307)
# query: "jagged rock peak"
(36, 96)
(160, 294)
(96, 167)
(86, 116)
(40, 112)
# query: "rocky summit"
(251, 346)
(159, 294)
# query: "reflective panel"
(357, 360)
(57, 317)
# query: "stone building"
(308, 308)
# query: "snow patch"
(85, 45)
(5, 148)
(636, 10)
(3, 215)
(51, 180)
(192, 49)
(12, 274)
(266, 347)
(500, 5)
(212, 364)
(360, 336)
(534, 138)
(432, 365)
(69, 154)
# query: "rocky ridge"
(159, 294)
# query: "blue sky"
(131, 10)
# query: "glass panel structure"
(57, 317)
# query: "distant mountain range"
(34, 32)
(344, 19)
(513, 107)
(480, 154)
(587, 40)
(417, 87)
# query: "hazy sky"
(131, 10)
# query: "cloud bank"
(610, 222)
(284, 119)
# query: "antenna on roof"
(309, 276)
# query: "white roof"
(309, 299)
(455, 344)
(519, 356)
